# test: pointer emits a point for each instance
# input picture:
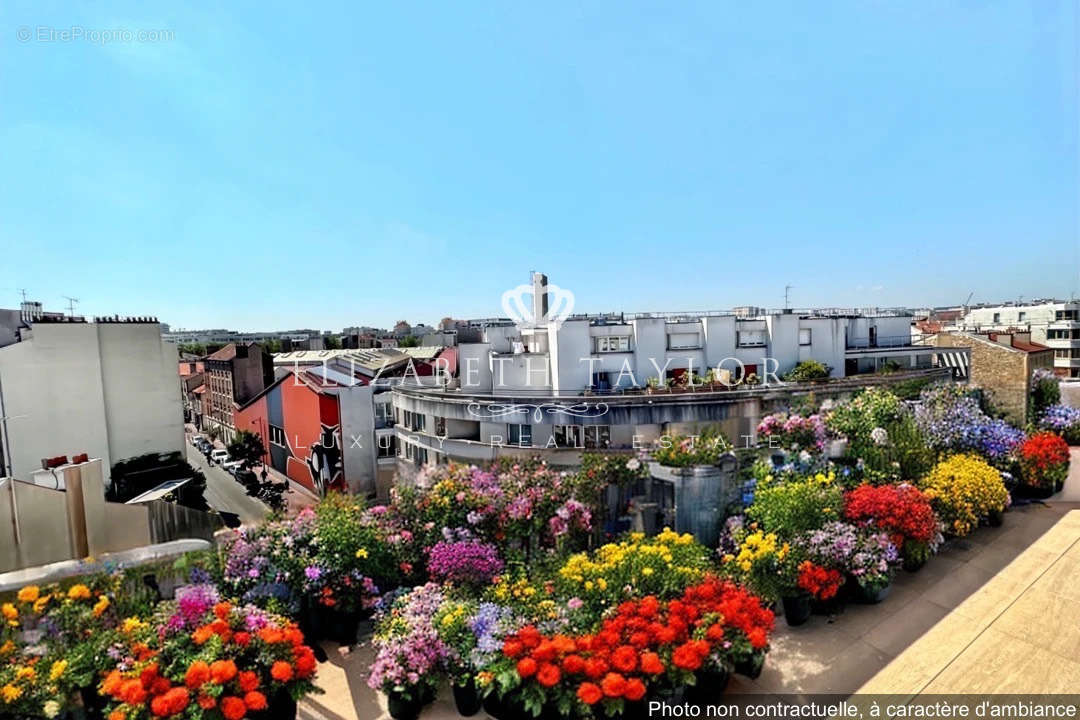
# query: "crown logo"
(558, 306)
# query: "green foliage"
(134, 476)
(1045, 391)
(798, 506)
(247, 447)
(332, 342)
(193, 349)
(409, 341)
(346, 545)
(706, 448)
(808, 370)
(857, 418)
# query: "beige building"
(1002, 365)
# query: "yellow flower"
(101, 605)
(10, 693)
(132, 624)
(7, 648)
(29, 594)
(25, 673)
(57, 670)
(79, 592)
(646, 571)
(9, 611)
(41, 602)
(362, 554)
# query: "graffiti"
(324, 461)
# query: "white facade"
(1054, 324)
(107, 389)
(514, 388)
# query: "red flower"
(573, 665)
(526, 667)
(901, 510)
(820, 582)
(233, 708)
(687, 657)
(589, 693)
(651, 663)
(242, 639)
(635, 689)
(512, 648)
(222, 671)
(281, 671)
(624, 659)
(255, 701)
(613, 685)
(595, 668)
(248, 681)
(1044, 459)
(548, 675)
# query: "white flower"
(51, 709)
(633, 464)
(880, 436)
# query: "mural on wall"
(301, 428)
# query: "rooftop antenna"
(787, 291)
(22, 291)
(72, 301)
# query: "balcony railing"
(881, 342)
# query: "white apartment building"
(105, 388)
(561, 387)
(1055, 324)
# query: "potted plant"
(962, 489)
(901, 510)
(452, 623)
(410, 656)
(871, 566)
(1044, 464)
(205, 657)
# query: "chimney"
(540, 298)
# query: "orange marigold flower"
(197, 674)
(202, 634)
(635, 689)
(548, 675)
(613, 685)
(242, 638)
(271, 635)
(206, 702)
(624, 659)
(132, 692)
(281, 671)
(222, 671)
(117, 715)
(222, 610)
(526, 667)
(573, 664)
(255, 701)
(233, 708)
(589, 693)
(651, 664)
(248, 681)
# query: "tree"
(247, 447)
(332, 342)
(193, 349)
(272, 346)
(409, 341)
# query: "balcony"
(883, 342)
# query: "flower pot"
(344, 627)
(504, 708)
(796, 609)
(709, 687)
(93, 703)
(466, 699)
(913, 563)
(752, 666)
(403, 708)
(871, 595)
(281, 706)
(1059, 485)
(996, 518)
(832, 606)
(1036, 493)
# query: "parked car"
(219, 456)
(197, 439)
(232, 466)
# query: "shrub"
(1045, 391)
(794, 432)
(952, 421)
(794, 507)
(688, 450)
(963, 489)
(808, 370)
(1063, 420)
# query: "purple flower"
(469, 562)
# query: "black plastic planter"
(466, 699)
(796, 609)
(752, 666)
(403, 708)
(709, 687)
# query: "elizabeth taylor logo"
(538, 410)
(560, 305)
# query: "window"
(613, 343)
(597, 436)
(683, 341)
(997, 317)
(440, 427)
(1021, 316)
(750, 338)
(277, 436)
(414, 421)
(520, 435)
(804, 336)
(385, 444)
(567, 435)
(383, 412)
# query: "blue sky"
(271, 166)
